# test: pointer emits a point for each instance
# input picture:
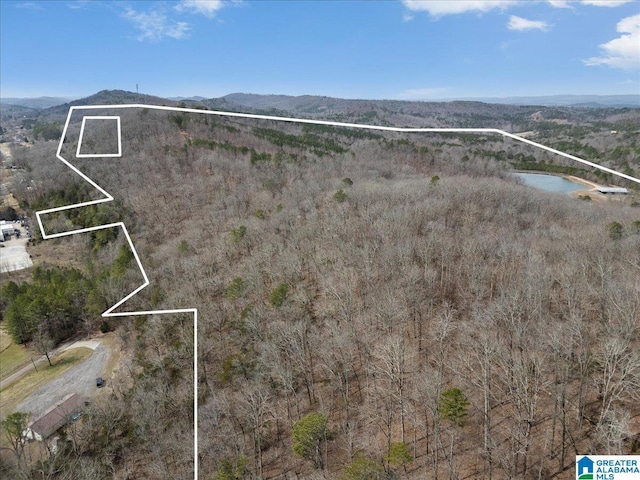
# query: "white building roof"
(612, 190)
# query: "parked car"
(100, 382)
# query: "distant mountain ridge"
(114, 97)
(402, 113)
(318, 104)
(56, 105)
(197, 98)
(411, 113)
(590, 101)
(38, 102)
(405, 113)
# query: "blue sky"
(393, 49)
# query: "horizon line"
(400, 98)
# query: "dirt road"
(5, 151)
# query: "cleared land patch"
(15, 256)
(12, 356)
(13, 394)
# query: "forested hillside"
(371, 305)
(607, 136)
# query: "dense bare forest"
(371, 305)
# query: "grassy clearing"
(67, 252)
(5, 339)
(110, 341)
(11, 355)
(15, 393)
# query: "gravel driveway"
(14, 256)
(80, 379)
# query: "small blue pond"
(550, 183)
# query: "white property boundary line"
(194, 311)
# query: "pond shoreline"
(589, 190)
(582, 181)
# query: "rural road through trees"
(29, 366)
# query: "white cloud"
(522, 24)
(29, 5)
(606, 3)
(560, 3)
(78, 4)
(208, 8)
(439, 8)
(447, 7)
(506, 45)
(595, 3)
(624, 51)
(155, 25)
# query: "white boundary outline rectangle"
(96, 155)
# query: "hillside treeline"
(378, 306)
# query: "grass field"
(13, 394)
(5, 339)
(110, 341)
(12, 356)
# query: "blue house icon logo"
(584, 468)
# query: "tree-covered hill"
(371, 304)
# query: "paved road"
(80, 379)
